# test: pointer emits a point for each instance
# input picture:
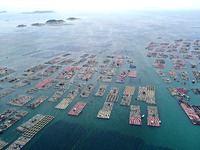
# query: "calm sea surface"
(122, 33)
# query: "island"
(72, 18)
(39, 12)
(21, 25)
(54, 21)
(38, 24)
(3, 11)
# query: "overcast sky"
(30, 5)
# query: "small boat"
(143, 116)
(160, 121)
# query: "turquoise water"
(126, 33)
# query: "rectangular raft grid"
(77, 109)
(135, 118)
(127, 95)
(153, 118)
(2, 144)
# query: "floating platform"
(6, 114)
(5, 71)
(132, 74)
(196, 75)
(127, 95)
(135, 118)
(173, 74)
(184, 75)
(79, 62)
(49, 71)
(13, 80)
(55, 60)
(116, 63)
(67, 61)
(2, 144)
(6, 79)
(64, 85)
(122, 77)
(31, 122)
(91, 63)
(147, 94)
(159, 63)
(105, 112)
(87, 91)
(153, 118)
(104, 79)
(77, 109)
(67, 100)
(34, 69)
(37, 127)
(179, 64)
(68, 73)
(20, 100)
(190, 112)
(37, 102)
(19, 143)
(18, 116)
(160, 73)
(112, 96)
(5, 93)
(101, 90)
(45, 84)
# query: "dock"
(77, 109)
(37, 102)
(112, 96)
(135, 117)
(153, 117)
(101, 90)
(67, 100)
(127, 95)
(18, 116)
(87, 90)
(31, 122)
(20, 100)
(6, 114)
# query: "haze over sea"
(117, 33)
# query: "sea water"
(101, 33)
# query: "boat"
(143, 116)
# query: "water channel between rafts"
(124, 34)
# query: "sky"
(100, 5)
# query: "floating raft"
(31, 122)
(101, 90)
(87, 91)
(20, 100)
(147, 94)
(112, 97)
(77, 109)
(67, 100)
(37, 127)
(2, 144)
(37, 102)
(6, 114)
(127, 95)
(153, 118)
(5, 93)
(192, 115)
(132, 74)
(135, 118)
(105, 112)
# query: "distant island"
(3, 11)
(21, 25)
(72, 18)
(38, 24)
(39, 12)
(54, 21)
